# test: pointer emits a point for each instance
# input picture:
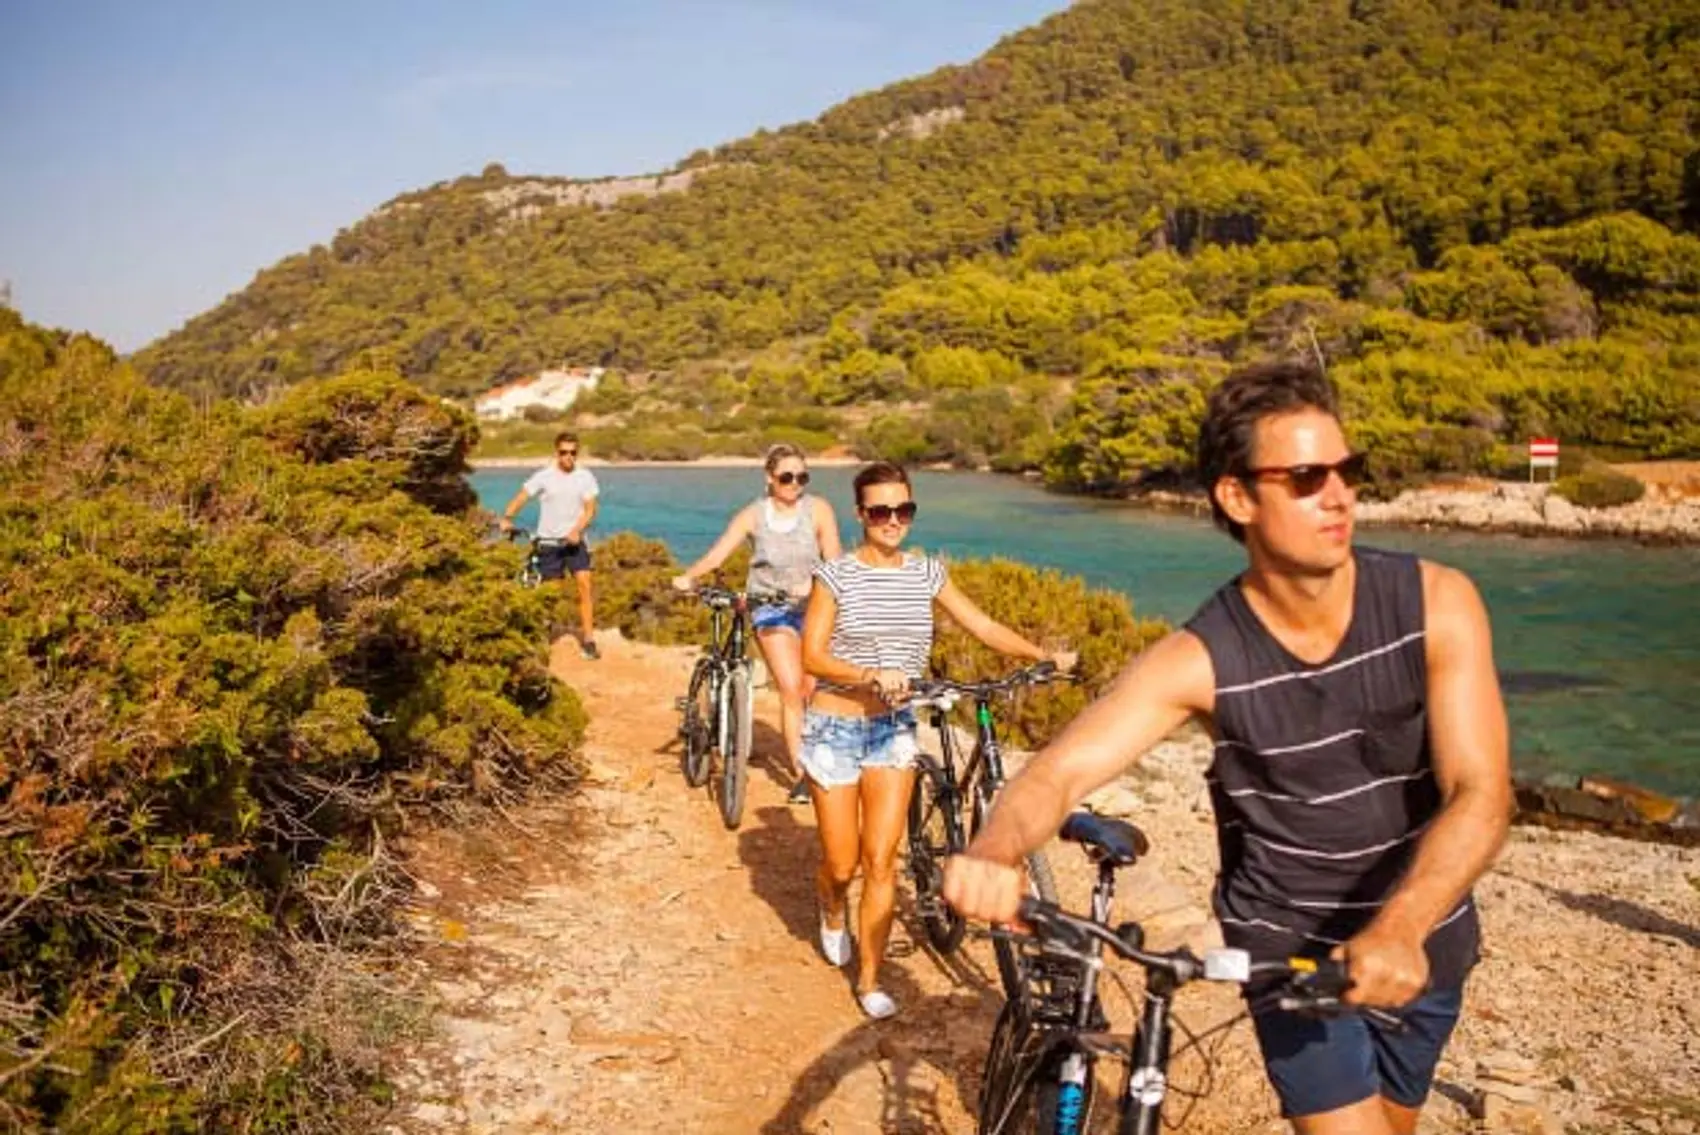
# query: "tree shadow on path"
(929, 1056)
(1618, 912)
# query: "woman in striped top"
(867, 634)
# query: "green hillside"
(1482, 214)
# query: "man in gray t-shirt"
(567, 498)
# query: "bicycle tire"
(697, 724)
(1020, 1090)
(529, 576)
(927, 850)
(735, 762)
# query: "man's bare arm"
(514, 506)
(1469, 741)
(1471, 746)
(1156, 693)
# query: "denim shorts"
(1318, 1065)
(836, 749)
(778, 616)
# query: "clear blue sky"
(155, 154)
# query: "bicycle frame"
(985, 763)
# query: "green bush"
(1059, 612)
(237, 648)
(1600, 486)
(634, 592)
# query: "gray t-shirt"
(561, 498)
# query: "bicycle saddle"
(1104, 838)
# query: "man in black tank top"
(1361, 778)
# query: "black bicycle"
(716, 711)
(1039, 1066)
(936, 807)
(531, 572)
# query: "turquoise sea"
(1598, 643)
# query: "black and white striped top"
(1322, 779)
(885, 614)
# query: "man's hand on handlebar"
(1388, 967)
(983, 889)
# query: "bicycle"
(935, 807)
(716, 711)
(531, 572)
(1038, 1076)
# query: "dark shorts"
(1321, 1065)
(554, 561)
(778, 616)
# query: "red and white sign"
(1543, 454)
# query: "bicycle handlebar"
(1313, 985)
(723, 598)
(1038, 674)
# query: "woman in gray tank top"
(790, 532)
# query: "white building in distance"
(551, 389)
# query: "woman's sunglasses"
(883, 513)
(1308, 480)
(789, 478)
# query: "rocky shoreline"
(1504, 507)
(1535, 510)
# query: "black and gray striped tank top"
(1322, 780)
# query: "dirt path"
(624, 963)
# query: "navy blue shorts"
(1322, 1064)
(778, 616)
(555, 560)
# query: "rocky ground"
(621, 962)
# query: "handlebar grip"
(1037, 912)
(1043, 671)
(1325, 977)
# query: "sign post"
(1543, 454)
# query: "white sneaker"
(877, 1004)
(835, 944)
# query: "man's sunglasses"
(1308, 480)
(566, 453)
(789, 478)
(883, 513)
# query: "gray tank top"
(785, 550)
(1323, 781)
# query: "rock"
(434, 1114)
(1115, 800)
(1501, 1116)
(427, 890)
(1506, 1067)
(1515, 1093)
(1651, 806)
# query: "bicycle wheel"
(1040, 881)
(529, 575)
(735, 758)
(1021, 1090)
(696, 725)
(935, 831)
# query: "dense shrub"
(634, 593)
(236, 649)
(1059, 612)
(1600, 486)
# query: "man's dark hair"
(1245, 398)
(566, 435)
(881, 473)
